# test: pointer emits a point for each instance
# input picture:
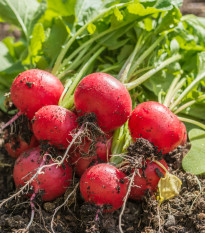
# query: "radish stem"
(12, 120)
(70, 42)
(188, 104)
(150, 73)
(187, 90)
(197, 123)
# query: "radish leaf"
(22, 14)
(194, 161)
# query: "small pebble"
(170, 221)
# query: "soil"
(182, 214)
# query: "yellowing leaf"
(118, 14)
(138, 9)
(168, 187)
(91, 28)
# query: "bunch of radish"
(36, 94)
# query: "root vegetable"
(51, 182)
(54, 124)
(34, 89)
(85, 154)
(147, 179)
(17, 145)
(105, 96)
(156, 123)
(104, 185)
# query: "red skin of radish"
(22, 146)
(54, 124)
(81, 158)
(148, 181)
(105, 96)
(103, 184)
(34, 89)
(156, 123)
(53, 181)
(184, 141)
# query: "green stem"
(69, 43)
(69, 82)
(118, 141)
(169, 95)
(160, 97)
(75, 63)
(85, 58)
(150, 73)
(125, 69)
(187, 90)
(176, 89)
(68, 103)
(128, 140)
(72, 55)
(197, 123)
(142, 70)
(79, 76)
(143, 56)
(188, 104)
(113, 67)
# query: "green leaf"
(22, 13)
(6, 59)
(38, 37)
(196, 27)
(56, 37)
(85, 10)
(197, 110)
(167, 4)
(201, 62)
(194, 161)
(62, 7)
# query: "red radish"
(19, 137)
(52, 182)
(105, 96)
(147, 179)
(104, 185)
(54, 124)
(34, 89)
(184, 141)
(17, 145)
(82, 156)
(156, 123)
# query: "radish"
(34, 89)
(51, 183)
(85, 154)
(16, 145)
(104, 185)
(105, 96)
(54, 124)
(147, 179)
(156, 123)
(184, 141)
(19, 137)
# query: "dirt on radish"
(184, 213)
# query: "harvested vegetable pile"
(106, 130)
